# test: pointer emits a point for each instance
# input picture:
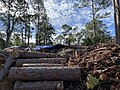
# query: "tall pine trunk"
(94, 20)
(9, 29)
(38, 31)
(28, 29)
(117, 20)
(8, 32)
(25, 32)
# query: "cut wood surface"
(19, 54)
(42, 65)
(5, 68)
(20, 62)
(45, 73)
(40, 85)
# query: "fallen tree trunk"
(5, 68)
(19, 54)
(42, 65)
(45, 73)
(20, 62)
(41, 85)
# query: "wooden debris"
(104, 77)
(45, 73)
(101, 60)
(40, 85)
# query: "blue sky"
(61, 12)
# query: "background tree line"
(16, 19)
(95, 30)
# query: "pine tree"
(13, 10)
(116, 4)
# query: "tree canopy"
(24, 19)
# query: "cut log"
(42, 65)
(19, 54)
(5, 68)
(20, 62)
(41, 85)
(45, 73)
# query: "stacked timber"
(40, 71)
(43, 78)
(36, 71)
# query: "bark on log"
(20, 62)
(42, 65)
(19, 54)
(2, 60)
(45, 73)
(6, 84)
(5, 68)
(41, 85)
(4, 53)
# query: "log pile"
(33, 60)
(45, 69)
(39, 71)
(92, 68)
(100, 63)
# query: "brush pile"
(101, 65)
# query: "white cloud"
(58, 12)
(33, 40)
(61, 12)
